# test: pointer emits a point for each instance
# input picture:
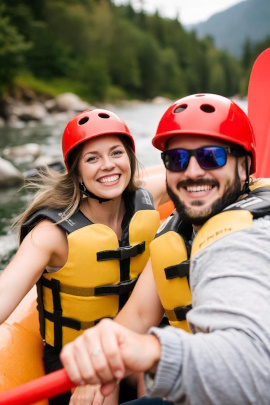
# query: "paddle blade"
(259, 110)
(47, 386)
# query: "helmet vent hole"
(103, 115)
(207, 108)
(83, 120)
(180, 108)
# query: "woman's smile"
(108, 180)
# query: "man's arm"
(154, 180)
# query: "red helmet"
(207, 115)
(90, 124)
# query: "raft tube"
(21, 346)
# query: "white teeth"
(109, 179)
(196, 189)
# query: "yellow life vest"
(170, 251)
(99, 274)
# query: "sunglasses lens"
(176, 160)
(211, 157)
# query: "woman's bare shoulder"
(47, 236)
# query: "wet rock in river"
(9, 175)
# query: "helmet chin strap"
(246, 189)
(88, 194)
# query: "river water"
(142, 120)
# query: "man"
(209, 153)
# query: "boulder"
(34, 111)
(69, 101)
(9, 175)
(28, 150)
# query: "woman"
(85, 236)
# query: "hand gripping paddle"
(259, 110)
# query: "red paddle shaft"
(44, 387)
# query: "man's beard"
(230, 195)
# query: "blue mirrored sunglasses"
(208, 157)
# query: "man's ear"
(242, 170)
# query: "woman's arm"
(45, 245)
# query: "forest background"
(107, 53)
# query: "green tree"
(104, 49)
(94, 74)
(123, 56)
(172, 82)
(19, 10)
(232, 73)
(12, 51)
(49, 57)
(246, 54)
(217, 82)
(149, 59)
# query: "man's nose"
(194, 169)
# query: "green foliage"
(12, 50)
(116, 94)
(50, 88)
(106, 52)
(123, 63)
(95, 79)
(49, 57)
(247, 54)
(149, 61)
(250, 54)
(16, 9)
(172, 82)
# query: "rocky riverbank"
(22, 113)
(18, 111)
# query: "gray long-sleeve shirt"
(227, 360)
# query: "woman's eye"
(117, 152)
(91, 159)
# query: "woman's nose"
(107, 163)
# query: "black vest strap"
(181, 312)
(122, 288)
(116, 289)
(57, 313)
(70, 322)
(121, 253)
(143, 200)
(77, 221)
(179, 270)
(178, 313)
(257, 202)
